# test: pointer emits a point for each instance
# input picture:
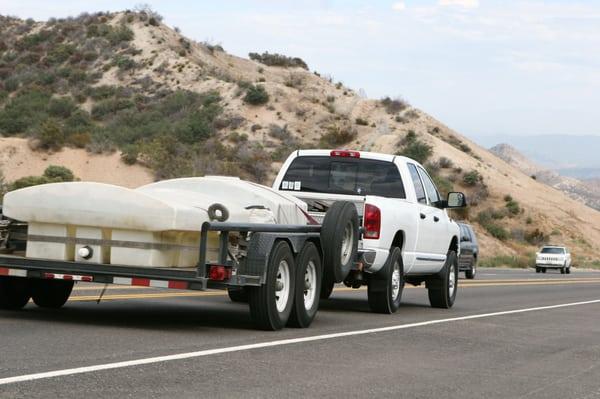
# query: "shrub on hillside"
(362, 122)
(416, 149)
(278, 60)
(110, 106)
(536, 237)
(59, 173)
(486, 220)
(393, 106)
(256, 95)
(472, 178)
(130, 153)
(513, 207)
(337, 136)
(51, 135)
(445, 163)
(124, 63)
(52, 174)
(61, 107)
(24, 111)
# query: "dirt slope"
(18, 160)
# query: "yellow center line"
(462, 283)
(170, 294)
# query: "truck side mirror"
(456, 200)
(464, 238)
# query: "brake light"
(372, 222)
(219, 273)
(344, 154)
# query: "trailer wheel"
(385, 288)
(271, 303)
(309, 275)
(238, 294)
(442, 288)
(52, 294)
(326, 288)
(339, 239)
(14, 292)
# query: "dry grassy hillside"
(181, 107)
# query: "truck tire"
(385, 288)
(52, 294)
(326, 288)
(562, 270)
(568, 270)
(442, 288)
(238, 294)
(538, 269)
(470, 274)
(309, 274)
(15, 292)
(543, 269)
(339, 240)
(271, 303)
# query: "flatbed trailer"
(279, 275)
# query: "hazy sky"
(481, 66)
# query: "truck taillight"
(372, 222)
(344, 154)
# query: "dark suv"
(469, 251)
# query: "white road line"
(260, 345)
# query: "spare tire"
(339, 240)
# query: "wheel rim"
(396, 281)
(451, 281)
(310, 285)
(282, 286)
(347, 243)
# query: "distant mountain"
(575, 156)
(586, 191)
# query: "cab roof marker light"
(344, 154)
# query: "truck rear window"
(343, 176)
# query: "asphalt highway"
(511, 333)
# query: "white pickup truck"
(407, 235)
(553, 257)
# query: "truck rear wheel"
(385, 290)
(442, 288)
(339, 239)
(271, 303)
(309, 274)
(14, 292)
(52, 294)
(238, 294)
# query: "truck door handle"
(436, 219)
(423, 216)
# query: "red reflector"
(344, 154)
(219, 273)
(372, 222)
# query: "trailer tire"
(51, 294)
(339, 240)
(326, 288)
(15, 292)
(309, 276)
(268, 309)
(385, 288)
(442, 287)
(238, 294)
